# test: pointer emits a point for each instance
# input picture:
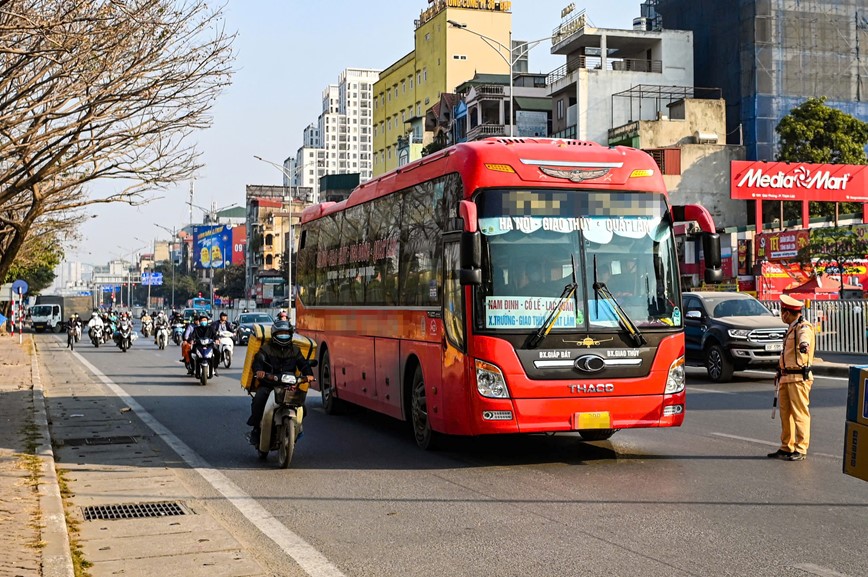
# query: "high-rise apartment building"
(444, 57)
(769, 56)
(341, 140)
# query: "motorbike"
(95, 333)
(162, 337)
(281, 424)
(124, 335)
(70, 335)
(147, 327)
(76, 332)
(225, 348)
(201, 355)
(177, 333)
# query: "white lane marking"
(707, 390)
(309, 559)
(770, 444)
(817, 570)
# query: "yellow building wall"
(445, 57)
(394, 94)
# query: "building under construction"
(768, 56)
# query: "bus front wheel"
(425, 437)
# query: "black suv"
(726, 332)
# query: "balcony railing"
(487, 130)
(596, 63)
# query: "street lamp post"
(291, 238)
(515, 54)
(174, 233)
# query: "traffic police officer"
(795, 380)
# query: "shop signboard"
(798, 181)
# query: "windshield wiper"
(600, 289)
(623, 318)
(534, 339)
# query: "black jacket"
(276, 360)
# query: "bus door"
(454, 338)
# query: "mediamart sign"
(751, 180)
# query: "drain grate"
(100, 441)
(133, 511)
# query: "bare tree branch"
(98, 89)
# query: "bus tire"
(596, 434)
(330, 402)
(426, 439)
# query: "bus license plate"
(774, 346)
(600, 420)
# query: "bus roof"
(511, 162)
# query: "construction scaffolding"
(787, 51)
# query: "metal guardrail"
(840, 326)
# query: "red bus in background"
(502, 286)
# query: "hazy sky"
(288, 51)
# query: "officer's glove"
(803, 348)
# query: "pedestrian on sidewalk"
(795, 379)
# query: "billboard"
(755, 180)
(239, 244)
(212, 246)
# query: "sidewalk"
(112, 466)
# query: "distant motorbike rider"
(73, 325)
(186, 345)
(203, 331)
(222, 325)
(161, 322)
(279, 355)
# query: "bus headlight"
(675, 380)
(490, 382)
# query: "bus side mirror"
(711, 251)
(471, 250)
(470, 276)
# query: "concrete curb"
(56, 555)
(831, 370)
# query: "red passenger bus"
(508, 285)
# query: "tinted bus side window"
(384, 230)
(326, 272)
(421, 248)
(306, 260)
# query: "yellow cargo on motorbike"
(261, 334)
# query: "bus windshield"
(533, 239)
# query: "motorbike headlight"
(675, 380)
(490, 382)
(287, 379)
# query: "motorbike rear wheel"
(285, 444)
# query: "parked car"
(726, 332)
(244, 325)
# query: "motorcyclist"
(95, 321)
(73, 324)
(222, 325)
(160, 323)
(279, 355)
(146, 318)
(282, 315)
(187, 344)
